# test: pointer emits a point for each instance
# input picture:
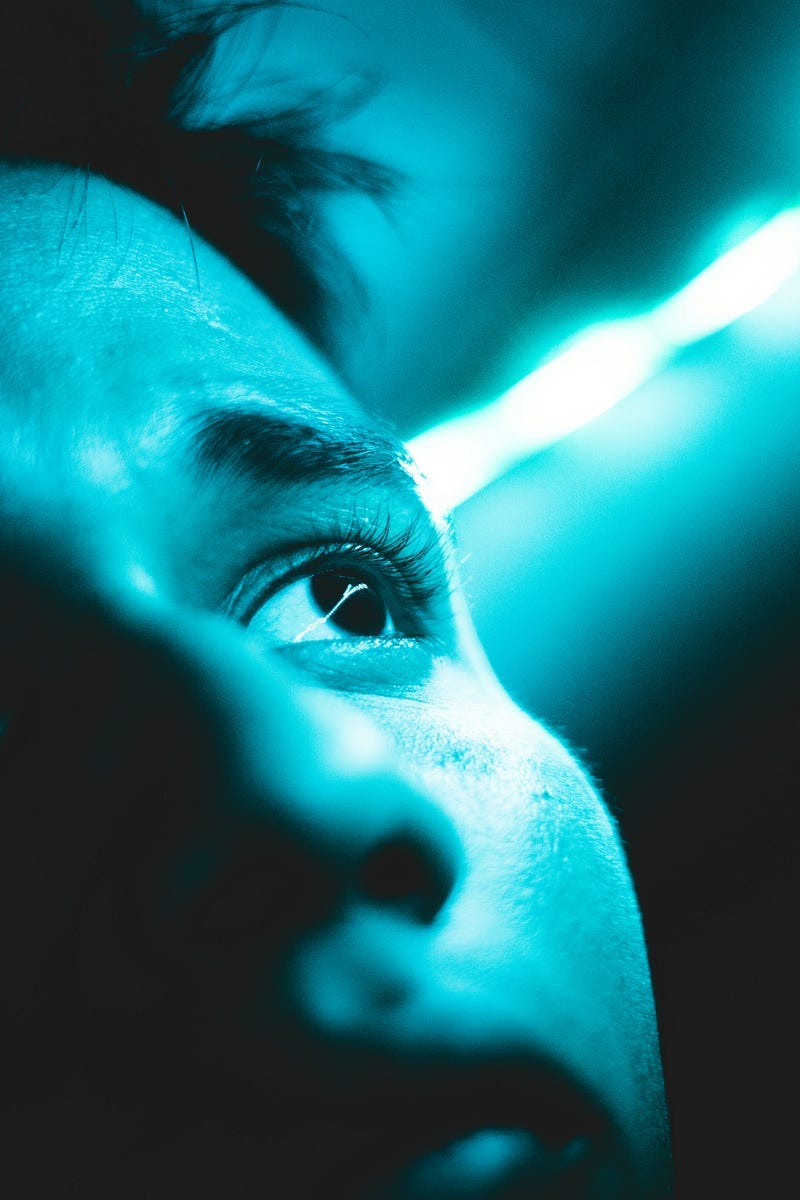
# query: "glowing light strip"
(602, 365)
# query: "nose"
(391, 846)
(244, 803)
(312, 813)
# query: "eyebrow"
(266, 445)
(261, 445)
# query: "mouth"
(496, 1164)
(497, 1129)
(467, 1122)
(491, 1133)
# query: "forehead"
(148, 391)
(113, 308)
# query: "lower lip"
(496, 1164)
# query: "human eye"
(341, 601)
(363, 587)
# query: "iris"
(361, 612)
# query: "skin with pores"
(454, 889)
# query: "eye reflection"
(324, 605)
(350, 603)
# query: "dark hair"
(106, 86)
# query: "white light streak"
(349, 591)
(602, 365)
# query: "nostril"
(405, 874)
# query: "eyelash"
(412, 558)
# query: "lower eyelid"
(381, 666)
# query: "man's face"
(336, 911)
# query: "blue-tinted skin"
(342, 903)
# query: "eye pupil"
(363, 613)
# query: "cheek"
(545, 926)
(532, 827)
(545, 919)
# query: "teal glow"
(602, 365)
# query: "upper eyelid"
(417, 552)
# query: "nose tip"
(392, 845)
(376, 840)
